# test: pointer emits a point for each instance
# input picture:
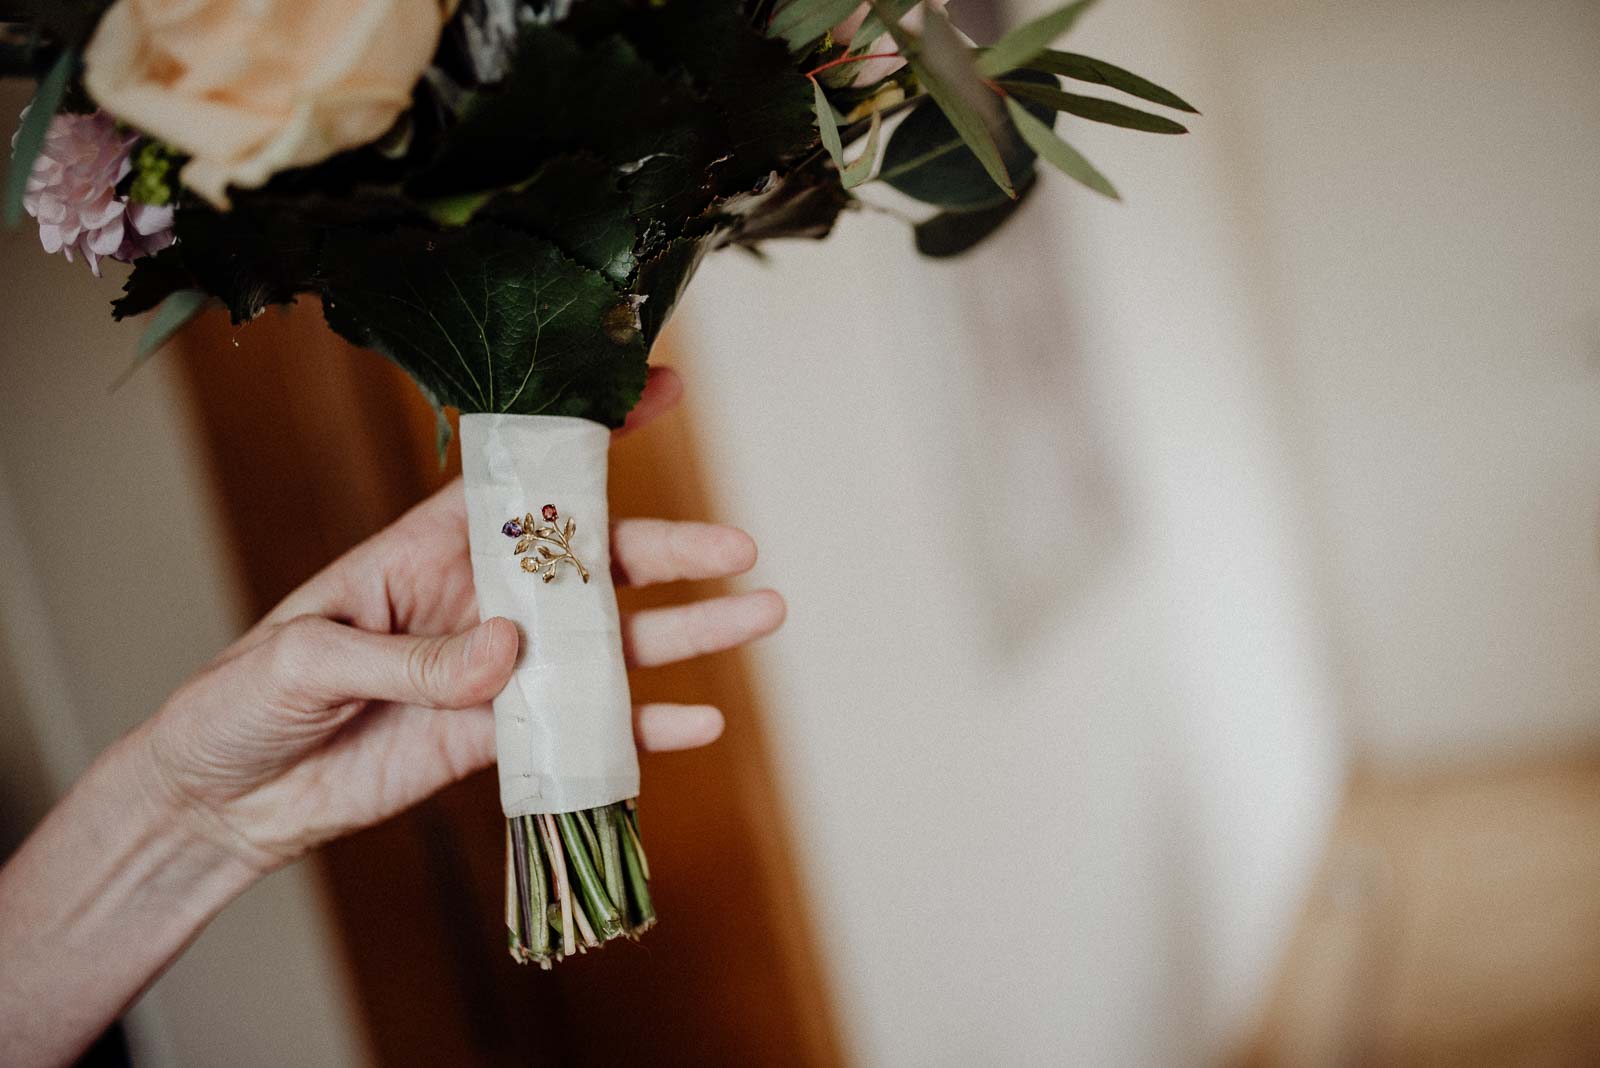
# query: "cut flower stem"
(574, 881)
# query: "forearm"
(106, 892)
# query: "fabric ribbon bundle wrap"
(539, 533)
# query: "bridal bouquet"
(507, 199)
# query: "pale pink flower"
(72, 191)
(872, 71)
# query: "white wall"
(1051, 704)
(113, 587)
(1421, 181)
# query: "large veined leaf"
(1097, 71)
(152, 280)
(1029, 39)
(928, 160)
(487, 319)
(1092, 108)
(574, 202)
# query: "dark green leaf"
(1029, 39)
(1057, 152)
(1087, 69)
(249, 257)
(954, 232)
(927, 159)
(487, 319)
(152, 280)
(804, 203)
(564, 97)
(30, 136)
(663, 279)
(761, 105)
(1093, 108)
(573, 201)
(66, 22)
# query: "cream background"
(1307, 433)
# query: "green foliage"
(249, 259)
(1043, 140)
(521, 247)
(30, 136)
(951, 233)
(65, 23)
(488, 319)
(929, 160)
(573, 202)
(801, 22)
(1099, 72)
(1019, 46)
(155, 175)
(941, 64)
(152, 280)
(1092, 108)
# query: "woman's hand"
(361, 694)
(367, 689)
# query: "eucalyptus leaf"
(943, 65)
(860, 169)
(1016, 48)
(176, 312)
(1088, 69)
(1057, 152)
(802, 21)
(487, 319)
(926, 158)
(873, 27)
(31, 134)
(1093, 108)
(828, 125)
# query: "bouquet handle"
(539, 534)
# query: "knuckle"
(425, 666)
(293, 651)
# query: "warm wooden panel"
(1457, 922)
(314, 446)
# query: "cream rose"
(248, 88)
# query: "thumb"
(315, 663)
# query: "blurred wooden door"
(315, 445)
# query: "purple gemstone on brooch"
(512, 529)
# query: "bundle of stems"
(575, 880)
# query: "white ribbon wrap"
(564, 723)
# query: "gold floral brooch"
(551, 542)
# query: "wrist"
(98, 901)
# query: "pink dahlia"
(73, 193)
